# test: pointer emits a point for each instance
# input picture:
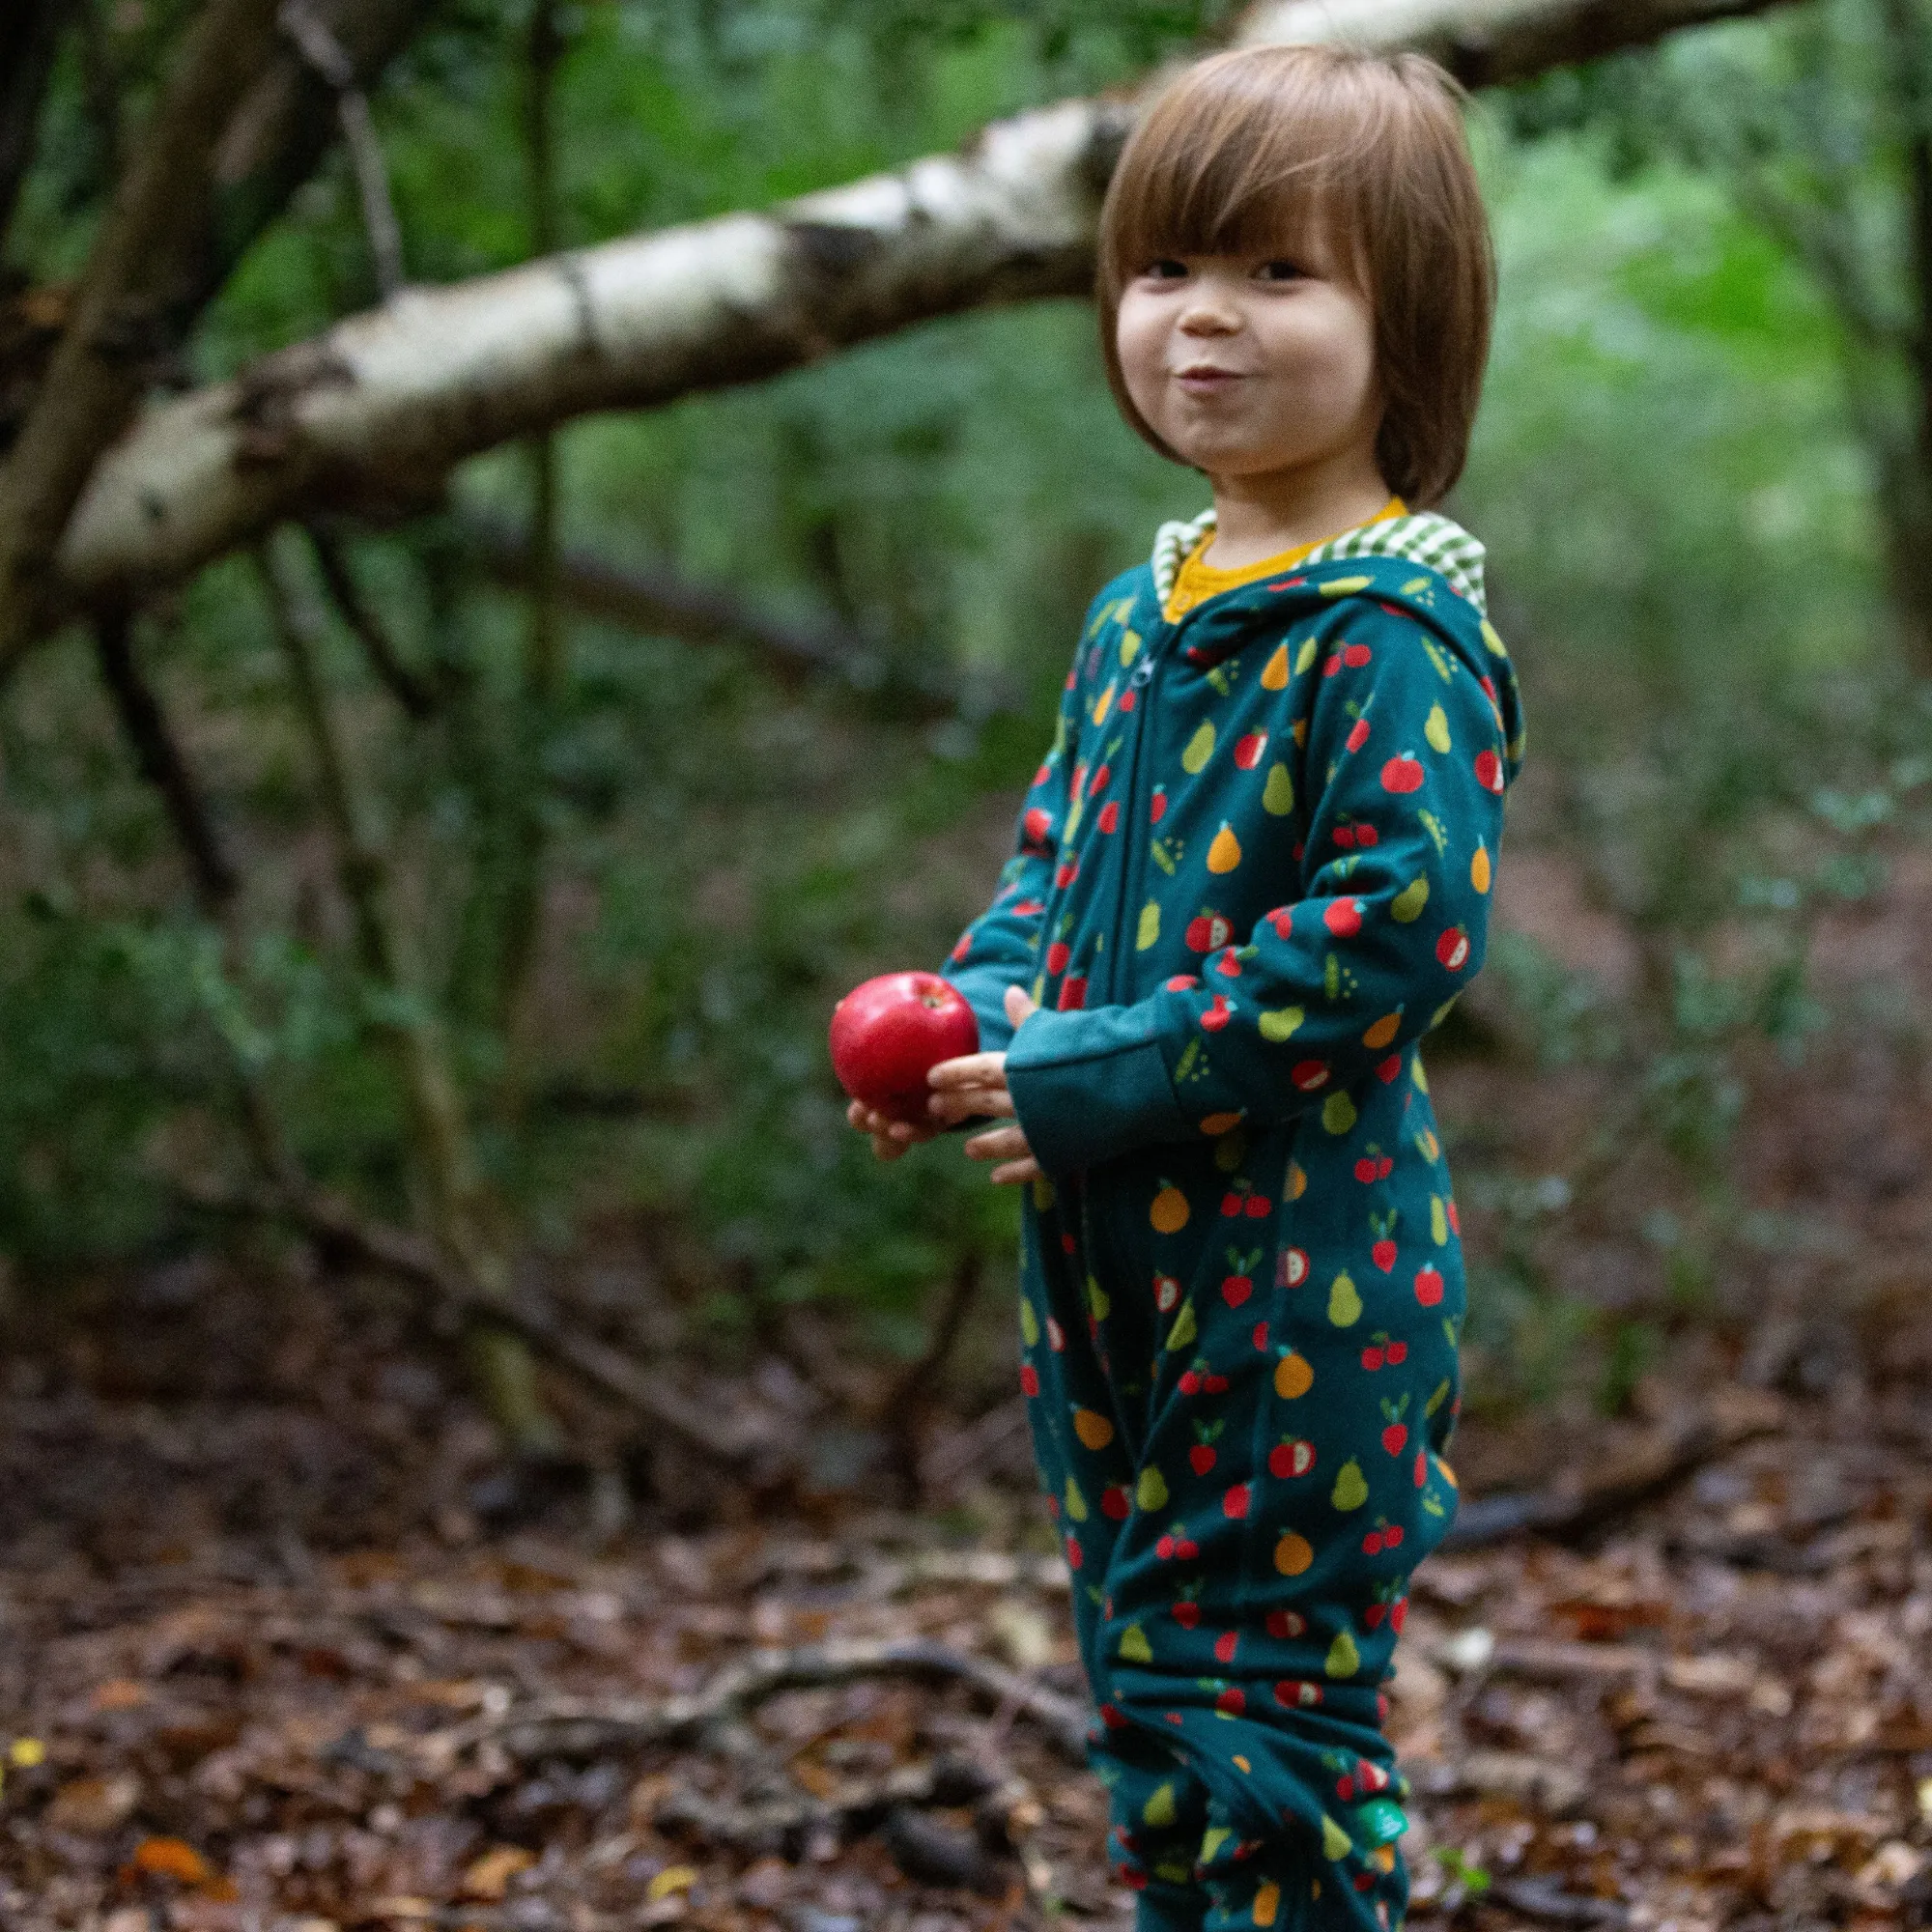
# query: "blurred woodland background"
(421, 903)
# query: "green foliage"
(1677, 497)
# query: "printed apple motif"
(1292, 1456)
(1307, 1075)
(1225, 1646)
(1291, 1267)
(1110, 815)
(889, 1032)
(1488, 770)
(1284, 1624)
(1343, 917)
(1217, 1015)
(1029, 1379)
(1036, 824)
(1359, 734)
(1429, 1285)
(1233, 1700)
(1354, 656)
(1296, 1693)
(1403, 773)
(1235, 1503)
(1157, 807)
(1248, 750)
(1452, 949)
(1114, 1502)
(1072, 992)
(1166, 1293)
(1206, 932)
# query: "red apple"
(888, 1032)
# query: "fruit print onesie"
(1252, 871)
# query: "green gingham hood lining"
(1427, 538)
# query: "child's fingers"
(962, 1103)
(1016, 1171)
(969, 1070)
(1001, 1144)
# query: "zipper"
(1139, 682)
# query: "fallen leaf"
(93, 1806)
(171, 1857)
(674, 1878)
(25, 1753)
(490, 1876)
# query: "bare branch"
(566, 1728)
(325, 53)
(378, 411)
(411, 691)
(160, 758)
(30, 34)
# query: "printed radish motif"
(1201, 1457)
(1395, 1431)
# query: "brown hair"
(1244, 148)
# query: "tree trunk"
(30, 31)
(377, 412)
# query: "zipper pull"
(1142, 672)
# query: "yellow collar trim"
(1196, 582)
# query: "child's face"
(1248, 365)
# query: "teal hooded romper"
(1253, 870)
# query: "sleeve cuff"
(1089, 1086)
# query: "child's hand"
(975, 1083)
(891, 1138)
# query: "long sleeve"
(998, 949)
(1374, 934)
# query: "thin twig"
(161, 763)
(333, 1223)
(325, 53)
(411, 691)
(567, 1727)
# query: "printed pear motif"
(1352, 1486)
(1278, 794)
(1200, 748)
(1345, 1303)
(1225, 852)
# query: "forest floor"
(280, 1651)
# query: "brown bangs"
(1256, 149)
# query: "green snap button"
(1379, 1822)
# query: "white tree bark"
(376, 412)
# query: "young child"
(1251, 874)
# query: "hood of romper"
(1425, 565)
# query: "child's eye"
(1165, 269)
(1279, 271)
